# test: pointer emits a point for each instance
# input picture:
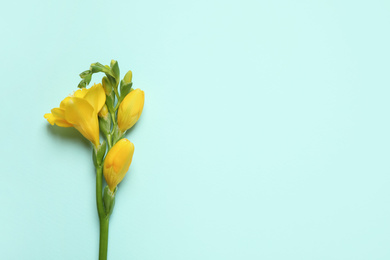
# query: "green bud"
(125, 89)
(105, 122)
(85, 73)
(110, 102)
(109, 200)
(98, 155)
(113, 82)
(97, 67)
(82, 84)
(85, 81)
(107, 86)
(128, 77)
(115, 69)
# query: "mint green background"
(265, 132)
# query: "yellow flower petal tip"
(117, 162)
(130, 109)
(81, 112)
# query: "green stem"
(117, 105)
(99, 198)
(113, 118)
(103, 243)
(116, 92)
(103, 217)
(109, 141)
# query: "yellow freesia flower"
(117, 162)
(130, 109)
(81, 111)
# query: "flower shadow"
(68, 134)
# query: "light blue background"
(265, 132)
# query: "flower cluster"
(111, 108)
(106, 108)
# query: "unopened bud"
(107, 86)
(130, 109)
(103, 112)
(128, 77)
(117, 162)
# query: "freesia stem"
(103, 217)
(109, 140)
(99, 198)
(113, 117)
(103, 244)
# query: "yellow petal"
(58, 112)
(130, 109)
(117, 162)
(50, 117)
(57, 117)
(96, 97)
(80, 93)
(83, 117)
(63, 102)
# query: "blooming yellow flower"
(80, 111)
(117, 162)
(130, 109)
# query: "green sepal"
(98, 155)
(107, 86)
(109, 200)
(125, 89)
(85, 73)
(115, 69)
(113, 82)
(110, 102)
(117, 135)
(85, 80)
(105, 124)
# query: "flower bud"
(115, 69)
(103, 112)
(104, 120)
(126, 85)
(117, 162)
(130, 109)
(98, 154)
(107, 86)
(128, 77)
(108, 200)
